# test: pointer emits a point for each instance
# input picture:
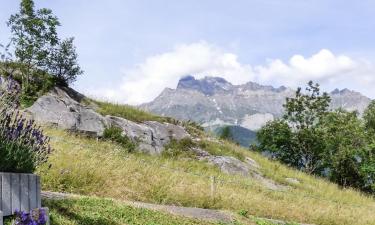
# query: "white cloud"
(147, 80)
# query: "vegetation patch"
(179, 148)
(222, 148)
(116, 135)
(337, 145)
(126, 112)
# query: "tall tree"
(34, 35)
(369, 117)
(64, 62)
(39, 50)
(296, 139)
(345, 147)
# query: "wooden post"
(1, 218)
(213, 187)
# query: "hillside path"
(190, 212)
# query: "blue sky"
(129, 47)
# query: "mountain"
(215, 102)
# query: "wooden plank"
(16, 192)
(1, 218)
(32, 192)
(38, 192)
(19, 192)
(25, 202)
(6, 194)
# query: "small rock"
(292, 180)
(229, 164)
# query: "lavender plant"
(35, 217)
(23, 146)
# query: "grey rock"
(229, 165)
(61, 107)
(249, 168)
(151, 136)
(200, 153)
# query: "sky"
(132, 50)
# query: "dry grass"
(85, 166)
(127, 112)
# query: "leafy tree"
(276, 139)
(44, 60)
(295, 139)
(369, 117)
(306, 109)
(337, 145)
(367, 169)
(345, 145)
(63, 62)
(34, 35)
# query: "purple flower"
(34, 217)
(20, 139)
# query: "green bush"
(181, 148)
(115, 134)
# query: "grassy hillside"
(104, 169)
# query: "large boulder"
(151, 136)
(61, 107)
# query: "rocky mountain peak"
(343, 92)
(207, 85)
(252, 86)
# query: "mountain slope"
(195, 171)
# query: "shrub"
(115, 134)
(23, 146)
(181, 148)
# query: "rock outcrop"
(234, 166)
(151, 136)
(62, 107)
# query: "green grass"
(97, 211)
(127, 112)
(138, 115)
(222, 148)
(105, 169)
